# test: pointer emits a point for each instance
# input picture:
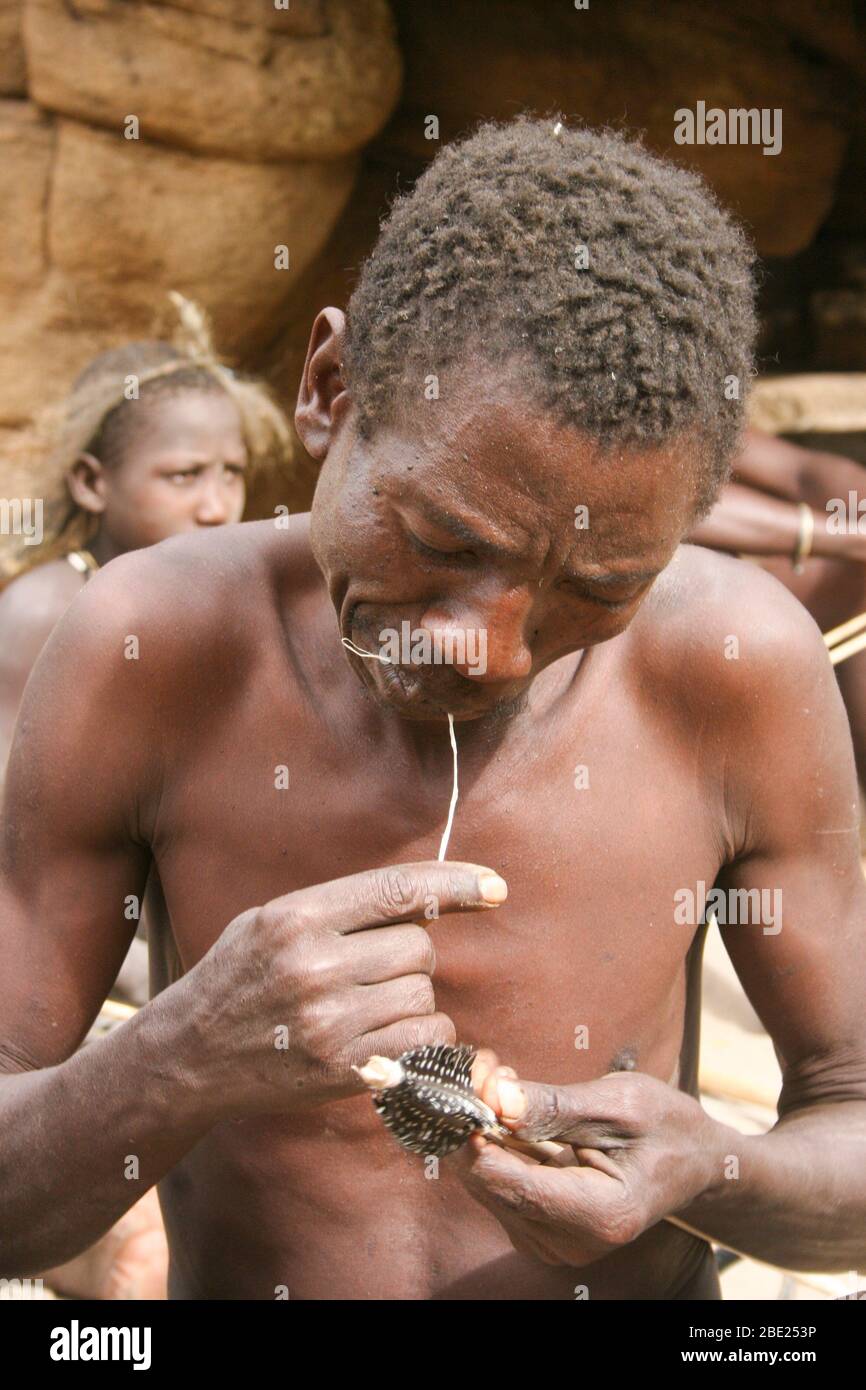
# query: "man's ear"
(322, 398)
(86, 481)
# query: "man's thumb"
(534, 1111)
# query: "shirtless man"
(614, 751)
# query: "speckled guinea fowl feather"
(433, 1109)
(427, 1101)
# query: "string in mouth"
(446, 834)
(368, 656)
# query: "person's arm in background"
(789, 471)
(758, 512)
(30, 608)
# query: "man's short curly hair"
(483, 257)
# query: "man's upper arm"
(792, 794)
(70, 854)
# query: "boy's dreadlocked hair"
(108, 401)
(483, 255)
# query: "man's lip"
(454, 702)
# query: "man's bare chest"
(596, 832)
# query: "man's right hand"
(299, 991)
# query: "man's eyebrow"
(461, 531)
(453, 525)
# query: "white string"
(446, 834)
(370, 656)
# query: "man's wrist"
(715, 1155)
(173, 1041)
(722, 1152)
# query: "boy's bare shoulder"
(39, 596)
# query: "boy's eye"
(180, 476)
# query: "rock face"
(636, 63)
(13, 71)
(129, 218)
(248, 123)
(245, 80)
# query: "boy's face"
(485, 527)
(182, 468)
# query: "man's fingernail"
(512, 1100)
(493, 888)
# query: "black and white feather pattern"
(434, 1109)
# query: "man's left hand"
(642, 1150)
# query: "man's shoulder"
(205, 584)
(727, 634)
(189, 613)
(703, 597)
(226, 554)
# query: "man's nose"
(485, 641)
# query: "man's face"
(489, 534)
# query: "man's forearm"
(746, 522)
(789, 471)
(82, 1141)
(795, 1197)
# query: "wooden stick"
(728, 1086)
(846, 649)
(838, 634)
(113, 1009)
(554, 1155)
